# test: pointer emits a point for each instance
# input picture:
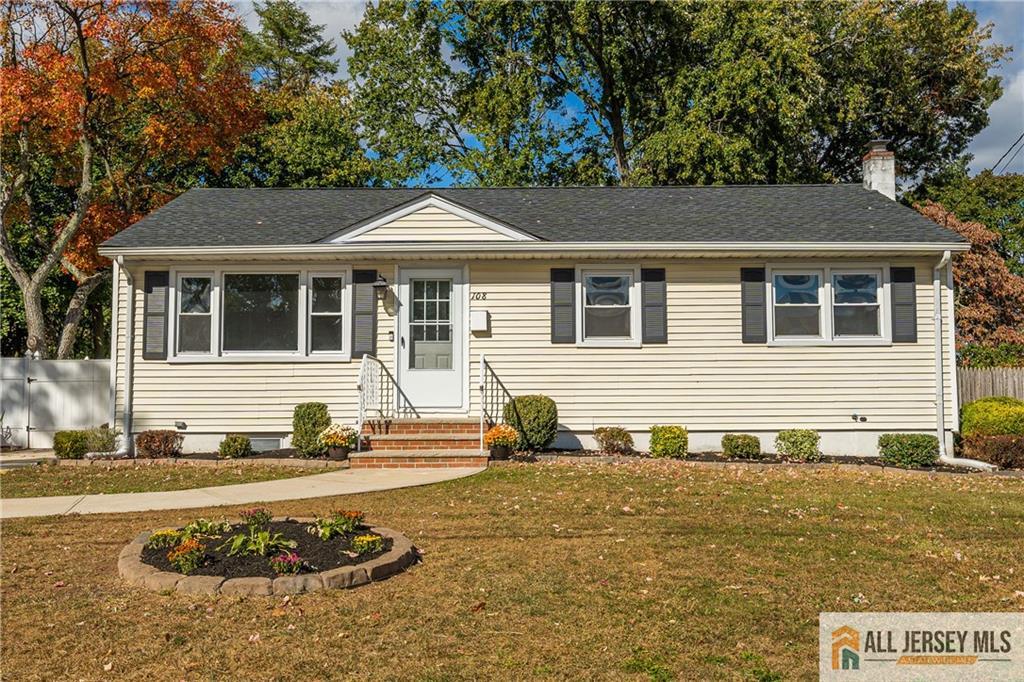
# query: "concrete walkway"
(343, 482)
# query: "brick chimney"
(880, 168)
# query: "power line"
(996, 164)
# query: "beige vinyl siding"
(247, 397)
(431, 224)
(705, 377)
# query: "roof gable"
(429, 218)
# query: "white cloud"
(334, 15)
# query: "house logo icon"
(845, 649)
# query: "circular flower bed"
(261, 555)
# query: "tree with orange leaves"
(989, 298)
(106, 100)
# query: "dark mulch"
(282, 453)
(768, 459)
(320, 555)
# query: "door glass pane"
(856, 320)
(195, 295)
(194, 334)
(327, 294)
(798, 320)
(261, 312)
(855, 288)
(796, 289)
(430, 328)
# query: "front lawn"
(42, 481)
(646, 570)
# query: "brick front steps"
(423, 441)
(418, 459)
(422, 426)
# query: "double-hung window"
(833, 305)
(326, 313)
(609, 306)
(195, 314)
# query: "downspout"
(129, 352)
(940, 392)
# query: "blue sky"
(1007, 114)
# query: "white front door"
(431, 367)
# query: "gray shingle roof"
(762, 213)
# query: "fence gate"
(41, 397)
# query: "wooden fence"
(982, 383)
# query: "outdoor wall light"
(380, 287)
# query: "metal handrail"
(493, 398)
(379, 394)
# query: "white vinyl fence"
(40, 397)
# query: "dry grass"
(41, 481)
(654, 570)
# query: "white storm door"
(431, 338)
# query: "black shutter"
(364, 313)
(563, 305)
(904, 305)
(755, 309)
(654, 311)
(154, 315)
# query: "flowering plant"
(188, 556)
(164, 538)
(501, 435)
(337, 436)
(256, 517)
(287, 563)
(365, 544)
(338, 523)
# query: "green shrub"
(741, 446)
(908, 450)
(102, 439)
(800, 445)
(669, 441)
(614, 439)
(309, 420)
(70, 444)
(235, 445)
(158, 443)
(1003, 355)
(535, 419)
(1006, 452)
(996, 416)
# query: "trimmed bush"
(71, 444)
(1006, 452)
(235, 445)
(158, 443)
(908, 450)
(800, 445)
(614, 439)
(102, 439)
(741, 446)
(669, 441)
(997, 416)
(308, 422)
(535, 419)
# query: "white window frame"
(880, 296)
(302, 354)
(346, 313)
(631, 271)
(825, 298)
(822, 305)
(214, 294)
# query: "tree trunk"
(76, 307)
(35, 319)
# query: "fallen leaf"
(478, 606)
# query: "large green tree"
(288, 51)
(995, 201)
(685, 92)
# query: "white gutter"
(537, 248)
(129, 352)
(940, 392)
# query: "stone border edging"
(215, 463)
(137, 573)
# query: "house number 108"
(478, 296)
